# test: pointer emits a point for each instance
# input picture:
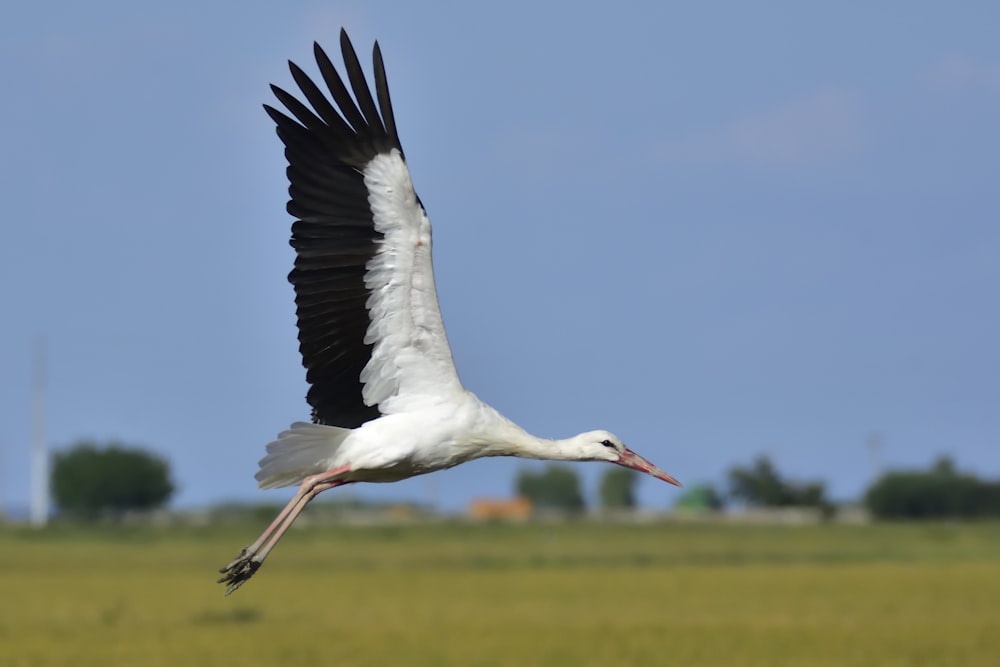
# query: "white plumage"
(411, 360)
(387, 401)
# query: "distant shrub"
(617, 489)
(89, 481)
(760, 485)
(556, 487)
(940, 492)
(701, 498)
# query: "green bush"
(556, 487)
(940, 492)
(617, 488)
(760, 485)
(89, 481)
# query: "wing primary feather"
(301, 112)
(384, 101)
(337, 88)
(318, 100)
(357, 78)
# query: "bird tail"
(304, 449)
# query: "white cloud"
(961, 73)
(818, 130)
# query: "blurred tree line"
(760, 485)
(940, 492)
(93, 481)
(556, 487)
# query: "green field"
(568, 594)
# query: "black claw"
(240, 558)
(237, 573)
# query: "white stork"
(386, 400)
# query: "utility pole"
(3, 514)
(875, 443)
(39, 511)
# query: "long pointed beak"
(630, 459)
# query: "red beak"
(630, 459)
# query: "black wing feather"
(327, 148)
(358, 84)
(337, 88)
(384, 102)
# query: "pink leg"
(301, 505)
(307, 485)
(246, 564)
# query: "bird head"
(605, 446)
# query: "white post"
(39, 448)
(875, 442)
(3, 514)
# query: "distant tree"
(944, 466)
(940, 492)
(760, 485)
(617, 488)
(556, 487)
(90, 481)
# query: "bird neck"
(552, 450)
(512, 440)
(499, 436)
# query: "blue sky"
(716, 230)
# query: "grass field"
(574, 594)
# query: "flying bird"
(386, 400)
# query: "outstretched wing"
(370, 330)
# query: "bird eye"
(608, 443)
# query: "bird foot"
(239, 570)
